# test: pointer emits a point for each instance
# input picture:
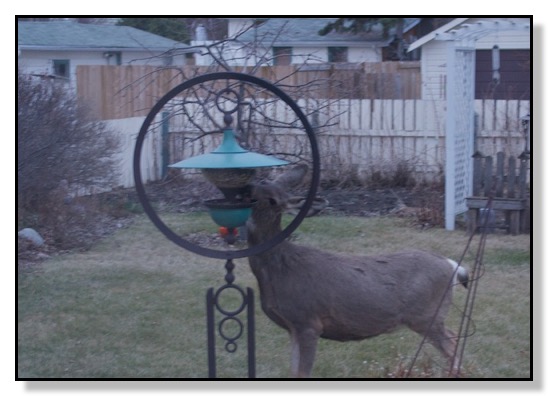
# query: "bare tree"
(195, 114)
(58, 140)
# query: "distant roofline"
(99, 49)
(323, 44)
(159, 43)
(352, 40)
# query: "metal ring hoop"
(218, 105)
(213, 253)
(227, 312)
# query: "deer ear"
(294, 204)
(291, 177)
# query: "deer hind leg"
(303, 350)
(445, 341)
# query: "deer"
(314, 293)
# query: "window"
(282, 55)
(167, 60)
(113, 57)
(337, 54)
(515, 75)
(61, 68)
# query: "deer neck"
(262, 229)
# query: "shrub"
(62, 152)
(388, 175)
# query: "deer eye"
(272, 201)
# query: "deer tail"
(460, 273)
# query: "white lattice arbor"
(459, 130)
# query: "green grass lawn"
(134, 307)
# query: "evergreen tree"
(359, 25)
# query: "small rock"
(31, 235)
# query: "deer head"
(273, 199)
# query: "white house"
(514, 48)
(54, 49)
(285, 41)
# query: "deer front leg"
(303, 350)
(295, 354)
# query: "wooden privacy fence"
(116, 92)
(500, 185)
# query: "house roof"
(67, 35)
(443, 30)
(304, 32)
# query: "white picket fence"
(368, 134)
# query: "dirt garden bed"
(422, 206)
(423, 202)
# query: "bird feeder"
(230, 168)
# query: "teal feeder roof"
(229, 155)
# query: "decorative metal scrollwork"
(227, 100)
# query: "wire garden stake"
(477, 272)
(466, 318)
